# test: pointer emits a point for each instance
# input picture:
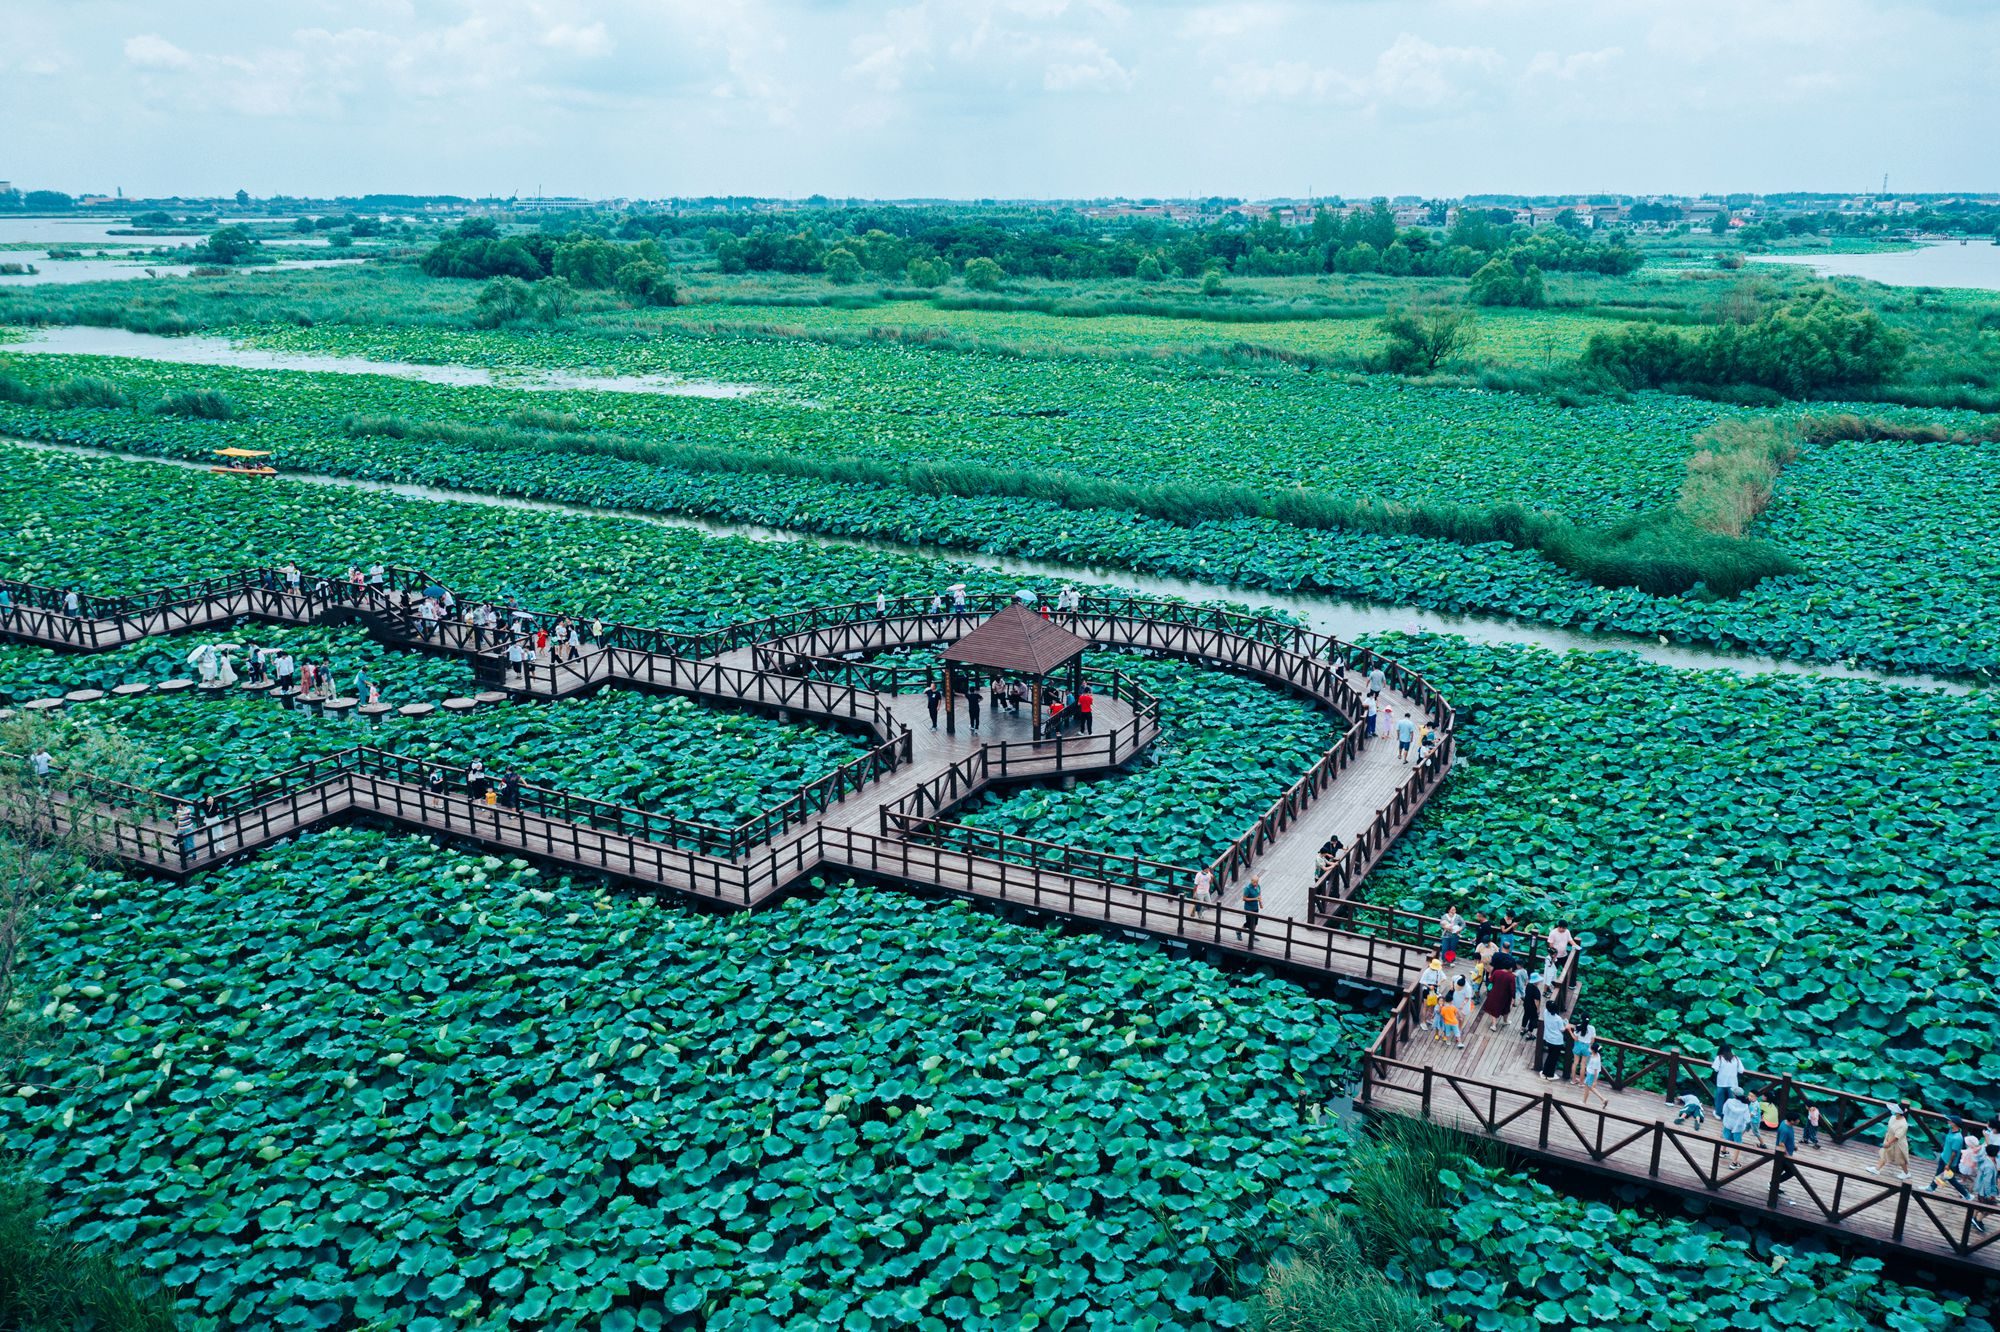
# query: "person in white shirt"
(1728, 1071)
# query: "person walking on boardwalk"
(510, 790)
(1499, 998)
(1377, 682)
(1736, 1119)
(1448, 1028)
(1593, 1069)
(1895, 1153)
(1986, 1180)
(1582, 1035)
(1728, 1070)
(1253, 903)
(932, 697)
(517, 659)
(477, 784)
(1084, 704)
(1530, 990)
(1204, 882)
(1947, 1155)
(972, 709)
(1553, 1029)
(1406, 731)
(1385, 722)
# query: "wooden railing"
(1901, 1212)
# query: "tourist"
(972, 709)
(434, 780)
(937, 606)
(477, 784)
(1787, 1134)
(1768, 1118)
(72, 604)
(1253, 903)
(6, 604)
(1385, 722)
(1373, 720)
(1461, 995)
(1582, 1040)
(1736, 1119)
(1406, 731)
(1593, 1068)
(1728, 1070)
(1499, 998)
(517, 659)
(1947, 1155)
(1450, 927)
(1691, 1111)
(1530, 990)
(1559, 942)
(932, 697)
(1510, 931)
(881, 605)
(510, 790)
(1377, 682)
(1986, 1182)
(184, 828)
(1554, 1030)
(1812, 1123)
(1203, 883)
(284, 668)
(40, 762)
(1084, 704)
(377, 576)
(1215, 897)
(1895, 1152)
(575, 641)
(1448, 1022)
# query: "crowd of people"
(1068, 709)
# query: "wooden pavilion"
(1016, 642)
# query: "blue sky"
(1011, 98)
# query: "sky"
(999, 98)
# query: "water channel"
(82, 340)
(1329, 615)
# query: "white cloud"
(1550, 65)
(1088, 69)
(149, 50)
(1410, 74)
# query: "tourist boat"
(238, 463)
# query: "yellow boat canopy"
(240, 453)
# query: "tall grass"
(1661, 553)
(1732, 473)
(48, 1282)
(1205, 311)
(1330, 1274)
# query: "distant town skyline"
(1074, 99)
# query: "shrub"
(203, 404)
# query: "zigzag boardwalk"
(888, 815)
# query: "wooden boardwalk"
(889, 816)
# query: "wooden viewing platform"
(889, 815)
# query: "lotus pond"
(365, 1080)
(1891, 536)
(1800, 867)
(670, 755)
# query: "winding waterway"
(84, 340)
(1329, 615)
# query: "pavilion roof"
(1017, 639)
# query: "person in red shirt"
(1083, 706)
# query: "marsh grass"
(1661, 553)
(50, 1284)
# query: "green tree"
(842, 266)
(1212, 283)
(242, 198)
(1419, 343)
(982, 274)
(1504, 281)
(228, 245)
(587, 262)
(646, 283)
(1149, 269)
(1719, 225)
(922, 272)
(553, 298)
(47, 201)
(504, 300)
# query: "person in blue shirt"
(1947, 1157)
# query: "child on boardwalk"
(1448, 1023)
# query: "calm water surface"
(1974, 265)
